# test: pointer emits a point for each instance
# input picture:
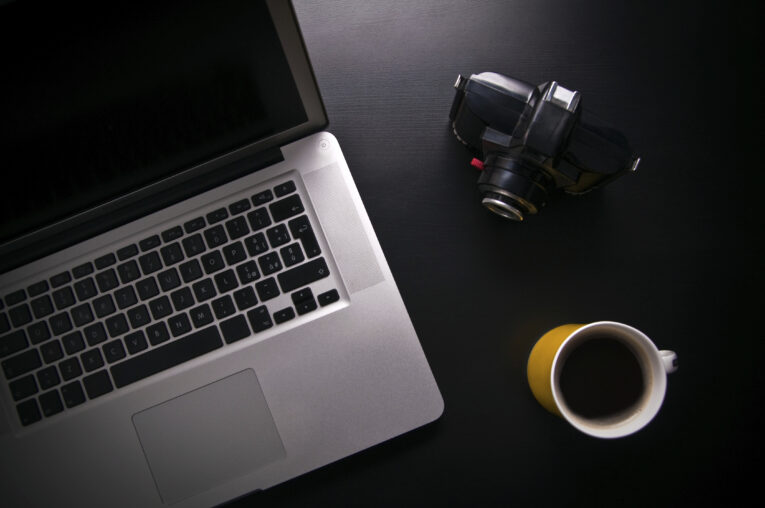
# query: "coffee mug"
(607, 379)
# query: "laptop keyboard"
(160, 302)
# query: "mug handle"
(669, 359)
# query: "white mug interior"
(654, 365)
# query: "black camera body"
(534, 141)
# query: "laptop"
(193, 302)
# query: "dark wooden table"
(671, 250)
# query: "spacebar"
(169, 355)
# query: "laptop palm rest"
(208, 436)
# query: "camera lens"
(511, 188)
(502, 206)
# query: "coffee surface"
(600, 378)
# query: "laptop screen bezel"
(88, 223)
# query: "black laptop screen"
(96, 101)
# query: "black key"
(4, 324)
(97, 384)
(48, 377)
(286, 208)
(15, 297)
(81, 315)
(269, 263)
(127, 252)
(182, 299)
(260, 319)
(259, 218)
(172, 234)
(82, 270)
(239, 207)
(113, 351)
(60, 279)
(234, 253)
(237, 228)
(256, 244)
(28, 411)
(72, 394)
(21, 363)
(234, 329)
(215, 236)
(278, 235)
(262, 198)
(38, 332)
(306, 306)
(226, 281)
(190, 270)
(160, 307)
(85, 289)
(204, 290)
(303, 275)
(70, 368)
(37, 288)
(201, 316)
(23, 387)
(20, 315)
(169, 279)
(107, 280)
(292, 254)
(135, 342)
(301, 230)
(125, 297)
(248, 272)
(194, 245)
(303, 300)
(223, 307)
(116, 325)
(147, 288)
(103, 305)
(50, 403)
(63, 298)
(167, 356)
(73, 342)
(138, 316)
(151, 263)
(194, 225)
(60, 324)
(284, 188)
(51, 351)
(172, 254)
(179, 324)
(157, 333)
(128, 271)
(42, 306)
(12, 343)
(245, 298)
(92, 360)
(212, 262)
(267, 289)
(94, 334)
(104, 261)
(217, 215)
(149, 243)
(283, 315)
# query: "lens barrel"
(512, 188)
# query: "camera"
(533, 142)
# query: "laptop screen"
(103, 99)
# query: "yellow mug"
(607, 379)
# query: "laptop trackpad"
(206, 437)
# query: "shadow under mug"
(607, 379)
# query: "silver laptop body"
(233, 379)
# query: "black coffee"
(600, 378)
